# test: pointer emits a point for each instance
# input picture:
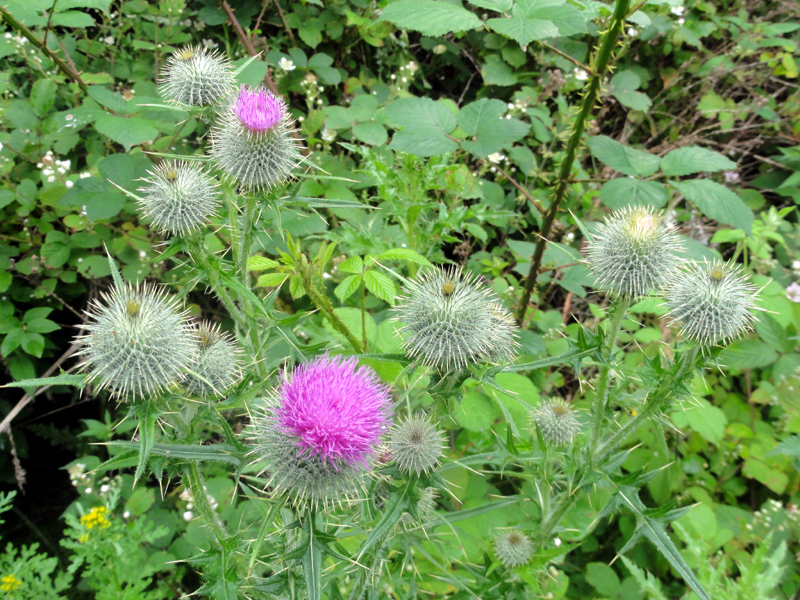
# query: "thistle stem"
(323, 303)
(601, 396)
(193, 481)
(247, 234)
(560, 191)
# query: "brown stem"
(283, 20)
(248, 44)
(522, 190)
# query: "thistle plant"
(137, 342)
(318, 434)
(633, 252)
(179, 197)
(450, 320)
(196, 76)
(416, 445)
(556, 422)
(253, 142)
(513, 548)
(217, 362)
(712, 302)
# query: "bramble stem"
(323, 303)
(601, 395)
(560, 191)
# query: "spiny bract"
(137, 342)
(416, 445)
(452, 320)
(319, 433)
(253, 143)
(196, 77)
(217, 366)
(513, 548)
(557, 422)
(711, 301)
(179, 197)
(634, 251)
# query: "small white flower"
(187, 516)
(496, 157)
(511, 106)
(46, 172)
(796, 265)
(66, 163)
(731, 176)
(126, 514)
(328, 134)
(631, 31)
(109, 40)
(69, 184)
(393, 77)
(80, 260)
(85, 175)
(104, 488)
(51, 179)
(286, 64)
(557, 542)
(793, 292)
(87, 490)
(677, 10)
(581, 75)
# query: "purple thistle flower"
(258, 109)
(334, 410)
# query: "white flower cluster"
(311, 89)
(53, 169)
(793, 291)
(186, 496)
(678, 10)
(497, 158)
(405, 75)
(284, 64)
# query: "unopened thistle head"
(253, 143)
(137, 342)
(416, 445)
(451, 320)
(556, 422)
(195, 76)
(179, 197)
(712, 302)
(217, 367)
(513, 548)
(319, 433)
(634, 251)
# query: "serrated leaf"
(498, 5)
(354, 264)
(429, 17)
(271, 279)
(694, 159)
(425, 125)
(348, 287)
(403, 254)
(381, 285)
(260, 263)
(626, 191)
(623, 86)
(78, 381)
(717, 202)
(623, 158)
(126, 131)
(213, 452)
(483, 119)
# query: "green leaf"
(694, 159)
(261, 263)
(32, 343)
(213, 452)
(429, 17)
(405, 254)
(312, 564)
(623, 87)
(11, 342)
(498, 5)
(603, 579)
(127, 132)
(100, 199)
(101, 5)
(626, 191)
(43, 95)
(484, 120)
(354, 264)
(78, 381)
(717, 202)
(529, 21)
(396, 506)
(348, 287)
(704, 418)
(747, 354)
(789, 446)
(381, 285)
(425, 125)
(73, 18)
(474, 412)
(496, 72)
(622, 158)
(105, 97)
(272, 279)
(370, 133)
(147, 425)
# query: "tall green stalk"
(589, 98)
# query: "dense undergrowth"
(579, 425)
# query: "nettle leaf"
(623, 87)
(381, 285)
(354, 264)
(425, 125)
(348, 287)
(484, 120)
(694, 159)
(627, 191)
(717, 202)
(127, 132)
(429, 17)
(623, 158)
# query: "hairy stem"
(323, 303)
(193, 481)
(601, 396)
(560, 191)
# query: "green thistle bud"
(196, 77)
(712, 302)
(452, 320)
(556, 422)
(513, 548)
(217, 367)
(633, 252)
(179, 197)
(137, 342)
(416, 445)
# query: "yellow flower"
(96, 518)
(84, 538)
(10, 583)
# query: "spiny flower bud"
(195, 76)
(253, 144)
(451, 320)
(137, 342)
(633, 252)
(416, 445)
(513, 548)
(179, 197)
(320, 431)
(217, 367)
(556, 422)
(711, 301)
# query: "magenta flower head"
(253, 142)
(319, 433)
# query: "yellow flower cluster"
(96, 518)
(10, 583)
